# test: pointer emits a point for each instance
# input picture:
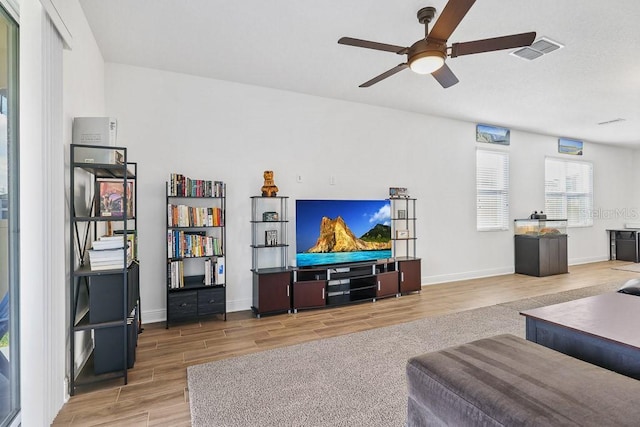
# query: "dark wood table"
(602, 329)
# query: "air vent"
(608, 122)
(541, 47)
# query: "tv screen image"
(342, 231)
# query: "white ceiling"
(292, 45)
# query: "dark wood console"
(345, 284)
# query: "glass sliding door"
(9, 279)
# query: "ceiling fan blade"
(445, 76)
(372, 45)
(449, 19)
(384, 75)
(489, 45)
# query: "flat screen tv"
(342, 231)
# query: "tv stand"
(327, 286)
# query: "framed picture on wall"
(570, 146)
(111, 196)
(493, 134)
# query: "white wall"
(220, 130)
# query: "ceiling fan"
(427, 55)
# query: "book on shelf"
(182, 186)
(108, 242)
(176, 274)
(210, 266)
(112, 198)
(108, 252)
(219, 271)
(193, 216)
(189, 244)
(132, 238)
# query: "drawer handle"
(322, 293)
(211, 301)
(184, 304)
(378, 285)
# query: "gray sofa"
(508, 381)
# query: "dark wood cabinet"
(271, 292)
(387, 284)
(541, 255)
(309, 294)
(410, 275)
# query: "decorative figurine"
(269, 189)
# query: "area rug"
(351, 380)
(628, 267)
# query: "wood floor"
(157, 394)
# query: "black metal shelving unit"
(109, 321)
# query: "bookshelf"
(196, 236)
(269, 255)
(403, 243)
(104, 281)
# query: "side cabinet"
(271, 292)
(387, 284)
(410, 276)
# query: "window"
(492, 190)
(9, 249)
(568, 191)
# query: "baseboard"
(578, 261)
(478, 274)
(155, 316)
(456, 277)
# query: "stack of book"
(108, 252)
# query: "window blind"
(568, 191)
(492, 190)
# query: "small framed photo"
(112, 196)
(270, 216)
(402, 234)
(402, 214)
(271, 237)
(570, 146)
(395, 192)
(493, 134)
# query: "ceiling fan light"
(427, 62)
